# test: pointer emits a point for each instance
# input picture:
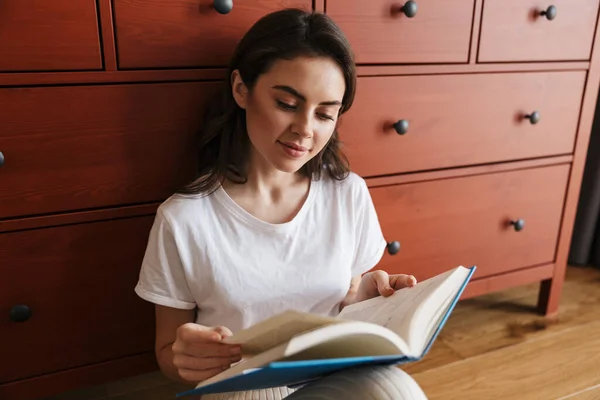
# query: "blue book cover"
(297, 373)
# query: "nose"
(302, 126)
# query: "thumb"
(382, 280)
(223, 331)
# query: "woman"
(275, 220)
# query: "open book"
(293, 348)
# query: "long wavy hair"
(223, 144)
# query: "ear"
(239, 89)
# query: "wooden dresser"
(471, 125)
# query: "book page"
(397, 311)
(277, 330)
(391, 311)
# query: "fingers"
(224, 332)
(401, 281)
(382, 280)
(184, 361)
(200, 341)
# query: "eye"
(285, 106)
(328, 117)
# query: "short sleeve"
(162, 278)
(370, 241)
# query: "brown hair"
(223, 141)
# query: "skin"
(297, 103)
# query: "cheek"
(263, 124)
(322, 135)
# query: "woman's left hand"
(378, 282)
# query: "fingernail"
(235, 351)
(235, 358)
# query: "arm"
(168, 321)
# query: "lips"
(294, 146)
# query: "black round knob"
(401, 127)
(549, 13)
(534, 117)
(409, 8)
(1, 159)
(20, 313)
(518, 224)
(393, 247)
(223, 6)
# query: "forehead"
(317, 78)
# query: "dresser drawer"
(185, 33)
(75, 285)
(467, 221)
(43, 35)
(81, 147)
(457, 120)
(530, 30)
(383, 31)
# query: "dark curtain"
(585, 244)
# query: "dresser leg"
(549, 296)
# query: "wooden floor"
(492, 347)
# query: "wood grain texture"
(196, 74)
(513, 30)
(551, 289)
(87, 376)
(185, 33)
(78, 281)
(466, 221)
(128, 144)
(40, 35)
(109, 51)
(466, 171)
(455, 121)
(69, 218)
(379, 33)
(475, 32)
(553, 365)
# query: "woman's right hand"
(198, 351)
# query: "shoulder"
(179, 209)
(352, 185)
(352, 190)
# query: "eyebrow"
(299, 95)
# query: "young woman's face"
(292, 110)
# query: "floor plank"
(549, 367)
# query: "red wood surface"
(459, 120)
(513, 30)
(466, 221)
(96, 146)
(78, 281)
(42, 35)
(550, 291)
(185, 33)
(40, 387)
(379, 33)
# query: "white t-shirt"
(208, 252)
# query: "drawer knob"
(20, 313)
(223, 6)
(534, 117)
(409, 9)
(549, 13)
(401, 126)
(1, 159)
(518, 224)
(393, 247)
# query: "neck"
(265, 180)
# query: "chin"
(289, 166)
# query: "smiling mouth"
(294, 146)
